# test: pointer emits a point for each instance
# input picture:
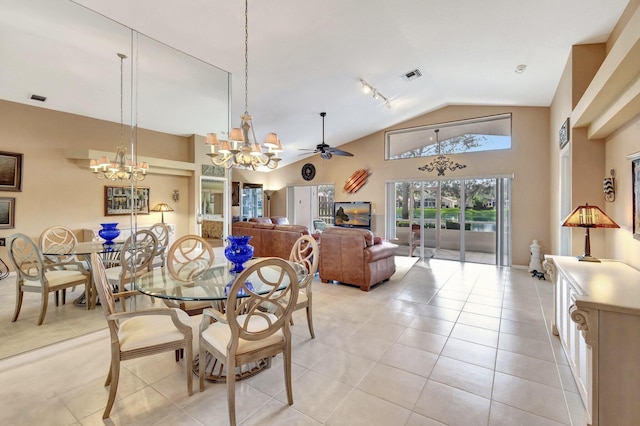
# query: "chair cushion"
(62, 278)
(150, 330)
(219, 334)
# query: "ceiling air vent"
(38, 98)
(412, 75)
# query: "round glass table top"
(83, 248)
(213, 284)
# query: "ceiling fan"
(325, 151)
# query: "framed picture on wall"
(7, 213)
(10, 171)
(123, 200)
(635, 174)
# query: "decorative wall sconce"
(609, 187)
(176, 195)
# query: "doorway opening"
(211, 215)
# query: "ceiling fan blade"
(336, 151)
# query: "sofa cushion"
(260, 220)
(264, 226)
(293, 228)
(364, 233)
(243, 225)
(279, 220)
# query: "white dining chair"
(35, 275)
(248, 331)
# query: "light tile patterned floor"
(447, 344)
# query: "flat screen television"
(354, 214)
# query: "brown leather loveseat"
(269, 240)
(353, 256)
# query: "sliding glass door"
(456, 219)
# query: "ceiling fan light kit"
(326, 151)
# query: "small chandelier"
(242, 148)
(441, 163)
(122, 167)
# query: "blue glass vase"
(109, 232)
(238, 251)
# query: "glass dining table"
(212, 285)
(82, 251)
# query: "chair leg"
(114, 377)
(310, 320)
(287, 371)
(43, 308)
(19, 296)
(202, 360)
(231, 389)
(57, 297)
(188, 364)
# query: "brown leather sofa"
(269, 240)
(354, 256)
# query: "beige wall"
(592, 159)
(59, 191)
(527, 161)
(620, 243)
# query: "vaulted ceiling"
(308, 57)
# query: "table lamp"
(162, 207)
(588, 217)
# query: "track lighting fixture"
(367, 88)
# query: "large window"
(474, 135)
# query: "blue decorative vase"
(238, 251)
(109, 232)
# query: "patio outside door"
(464, 220)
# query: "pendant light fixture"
(242, 148)
(441, 163)
(122, 167)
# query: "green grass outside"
(488, 215)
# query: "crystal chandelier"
(122, 167)
(441, 163)
(242, 148)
